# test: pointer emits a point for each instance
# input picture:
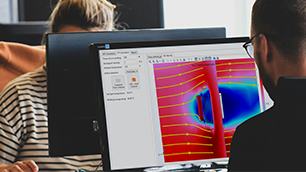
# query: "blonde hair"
(85, 14)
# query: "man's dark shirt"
(249, 143)
(274, 140)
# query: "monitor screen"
(71, 110)
(174, 101)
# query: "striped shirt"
(24, 126)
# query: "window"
(235, 15)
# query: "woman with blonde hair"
(23, 102)
(84, 15)
(67, 16)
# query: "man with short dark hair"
(275, 139)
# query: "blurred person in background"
(23, 101)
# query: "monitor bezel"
(98, 86)
(66, 54)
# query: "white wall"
(232, 14)
(8, 11)
(5, 11)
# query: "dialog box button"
(118, 82)
(131, 71)
(133, 81)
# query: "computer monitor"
(71, 110)
(133, 14)
(30, 33)
(173, 102)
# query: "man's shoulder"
(260, 122)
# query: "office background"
(232, 14)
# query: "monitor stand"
(215, 166)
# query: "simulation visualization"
(201, 103)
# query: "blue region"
(207, 107)
(240, 102)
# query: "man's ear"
(264, 48)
